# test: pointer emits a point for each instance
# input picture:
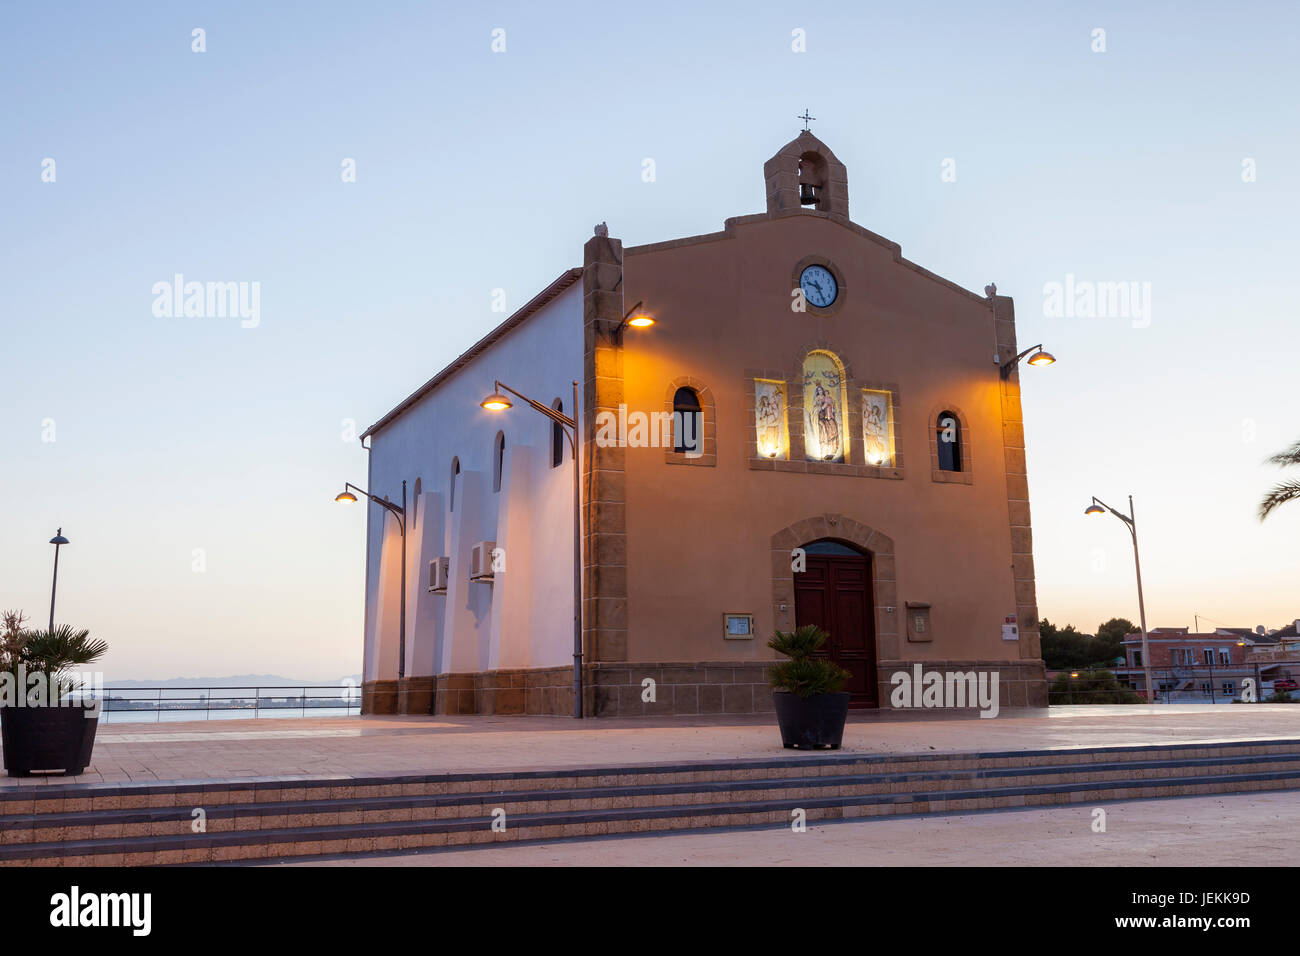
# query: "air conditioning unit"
(438, 575)
(480, 561)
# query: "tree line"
(1068, 647)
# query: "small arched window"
(415, 507)
(947, 435)
(557, 437)
(688, 422)
(451, 486)
(498, 460)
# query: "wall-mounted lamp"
(1039, 357)
(637, 318)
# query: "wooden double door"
(834, 592)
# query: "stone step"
(163, 821)
(58, 797)
(377, 836)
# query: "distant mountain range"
(237, 680)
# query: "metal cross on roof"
(806, 119)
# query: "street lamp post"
(58, 541)
(1095, 509)
(499, 402)
(398, 512)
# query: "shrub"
(803, 674)
(52, 653)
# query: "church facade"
(814, 430)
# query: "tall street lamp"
(1100, 507)
(58, 541)
(398, 512)
(497, 402)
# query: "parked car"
(1285, 683)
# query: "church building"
(781, 423)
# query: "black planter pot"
(47, 738)
(810, 722)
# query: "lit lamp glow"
(1042, 358)
(346, 496)
(642, 320)
(1094, 510)
(496, 402)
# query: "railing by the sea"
(207, 703)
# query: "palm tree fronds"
(1286, 458)
(61, 648)
(1279, 495)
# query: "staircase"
(73, 824)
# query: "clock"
(819, 286)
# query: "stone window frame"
(841, 288)
(967, 474)
(708, 412)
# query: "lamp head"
(58, 538)
(642, 320)
(496, 402)
(1094, 510)
(1042, 358)
(346, 496)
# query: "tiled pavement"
(377, 746)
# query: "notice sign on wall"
(1010, 630)
(737, 627)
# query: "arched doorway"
(834, 591)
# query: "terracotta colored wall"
(699, 538)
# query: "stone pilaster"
(1013, 455)
(604, 517)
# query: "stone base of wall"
(535, 690)
(379, 697)
(679, 689)
(415, 695)
(1021, 683)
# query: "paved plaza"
(376, 746)
(1242, 829)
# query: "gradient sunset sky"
(479, 170)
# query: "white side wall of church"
(524, 618)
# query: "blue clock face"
(819, 286)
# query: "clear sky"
(183, 443)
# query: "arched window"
(688, 422)
(557, 437)
(947, 435)
(415, 507)
(498, 460)
(451, 487)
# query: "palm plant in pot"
(44, 724)
(811, 705)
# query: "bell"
(807, 194)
